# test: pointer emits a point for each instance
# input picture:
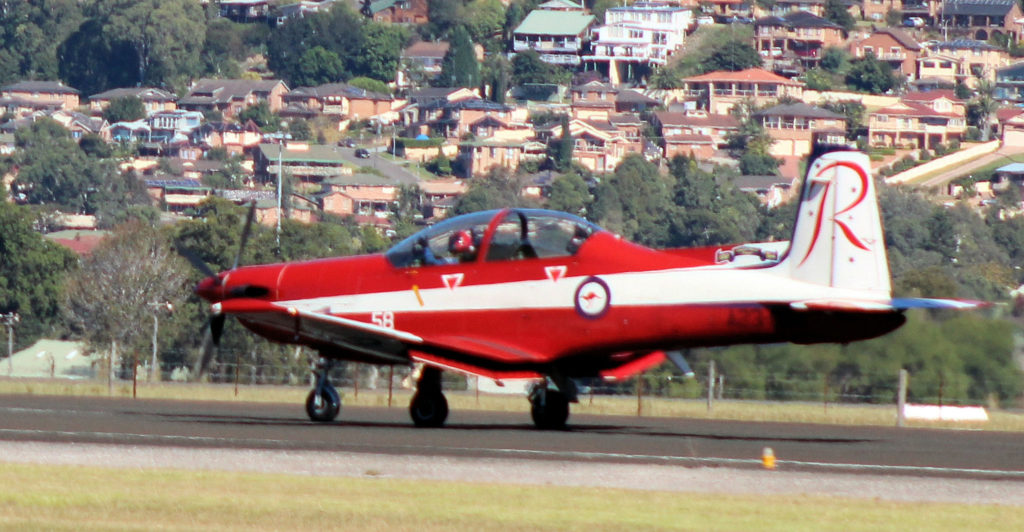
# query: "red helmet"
(460, 242)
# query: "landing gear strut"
(549, 403)
(323, 402)
(429, 408)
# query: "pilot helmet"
(460, 242)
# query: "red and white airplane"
(530, 293)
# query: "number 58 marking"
(383, 318)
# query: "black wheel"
(428, 409)
(549, 410)
(323, 407)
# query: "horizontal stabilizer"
(898, 304)
(904, 303)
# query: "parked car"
(362, 153)
(914, 22)
(348, 142)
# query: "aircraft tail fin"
(837, 239)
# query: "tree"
(984, 107)
(126, 109)
(498, 189)
(94, 61)
(869, 74)
(167, 36)
(562, 150)
(835, 59)
(528, 67)
(260, 114)
(486, 18)
(836, 11)
(370, 84)
(636, 202)
(31, 275)
(381, 51)
(319, 66)
(54, 171)
(459, 67)
(733, 56)
(30, 34)
(339, 30)
(111, 294)
(569, 193)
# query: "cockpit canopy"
(499, 235)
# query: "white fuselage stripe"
(631, 289)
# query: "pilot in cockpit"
(463, 246)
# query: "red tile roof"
(750, 75)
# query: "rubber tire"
(428, 409)
(553, 415)
(328, 408)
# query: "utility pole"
(156, 306)
(10, 320)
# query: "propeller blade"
(195, 261)
(245, 233)
(211, 340)
(217, 328)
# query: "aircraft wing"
(321, 330)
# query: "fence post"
(901, 399)
(639, 395)
(711, 386)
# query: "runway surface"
(502, 435)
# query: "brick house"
(153, 100)
(982, 19)
(26, 97)
(338, 99)
(964, 61)
(478, 157)
(797, 127)
(919, 120)
(696, 132)
(231, 96)
(308, 163)
(799, 37)
(236, 139)
(892, 45)
(359, 194)
(718, 92)
(400, 11)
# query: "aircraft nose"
(209, 289)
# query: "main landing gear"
(429, 408)
(549, 403)
(323, 402)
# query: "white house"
(645, 33)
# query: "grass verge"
(789, 412)
(86, 498)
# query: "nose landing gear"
(323, 402)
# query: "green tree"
(496, 190)
(260, 114)
(486, 18)
(528, 67)
(569, 193)
(381, 51)
(869, 74)
(854, 113)
(126, 109)
(31, 275)
(732, 55)
(94, 61)
(370, 84)
(167, 36)
(30, 33)
(835, 60)
(459, 67)
(339, 30)
(561, 151)
(636, 202)
(836, 11)
(318, 66)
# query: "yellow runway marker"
(416, 290)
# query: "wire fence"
(863, 389)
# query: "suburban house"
(438, 195)
(399, 11)
(593, 100)
(80, 125)
(875, 10)
(982, 19)
(231, 96)
(452, 119)
(299, 9)
(797, 127)
(308, 163)
(795, 40)
(236, 139)
(153, 100)
(244, 10)
(359, 194)
(558, 36)
(480, 156)
(964, 61)
(718, 92)
(26, 97)
(780, 8)
(598, 146)
(926, 10)
(644, 33)
(919, 120)
(693, 131)
(177, 195)
(339, 99)
(421, 63)
(892, 45)
(1010, 83)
